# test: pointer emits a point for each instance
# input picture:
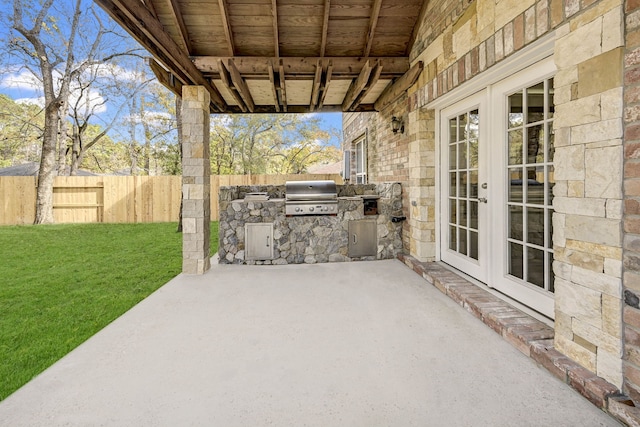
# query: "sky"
(20, 85)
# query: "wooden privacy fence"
(128, 199)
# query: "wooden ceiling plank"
(324, 87)
(283, 87)
(241, 86)
(373, 22)
(399, 86)
(276, 40)
(373, 79)
(272, 79)
(226, 25)
(325, 27)
(176, 15)
(317, 80)
(150, 33)
(356, 87)
(227, 81)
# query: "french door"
(497, 186)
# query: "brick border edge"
(530, 336)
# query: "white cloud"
(114, 70)
(21, 80)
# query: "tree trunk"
(76, 153)
(44, 195)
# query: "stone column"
(422, 174)
(196, 181)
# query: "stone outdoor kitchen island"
(310, 239)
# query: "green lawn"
(60, 284)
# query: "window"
(361, 160)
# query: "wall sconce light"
(397, 125)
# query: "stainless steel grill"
(311, 198)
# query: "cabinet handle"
(355, 239)
(267, 241)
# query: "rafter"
(315, 91)
(283, 87)
(373, 23)
(373, 79)
(392, 92)
(273, 81)
(224, 15)
(241, 86)
(226, 80)
(176, 15)
(356, 87)
(166, 78)
(325, 27)
(276, 39)
(324, 86)
(343, 67)
(129, 14)
(151, 7)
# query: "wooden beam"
(343, 67)
(176, 15)
(272, 79)
(373, 23)
(373, 79)
(283, 87)
(241, 86)
(325, 27)
(224, 15)
(315, 91)
(276, 39)
(165, 77)
(325, 85)
(226, 80)
(151, 8)
(399, 86)
(356, 87)
(134, 16)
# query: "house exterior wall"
(631, 242)
(460, 40)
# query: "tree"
(56, 51)
(262, 144)
(21, 127)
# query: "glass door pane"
(529, 172)
(463, 183)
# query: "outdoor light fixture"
(397, 125)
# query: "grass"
(60, 284)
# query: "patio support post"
(196, 180)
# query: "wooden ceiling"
(279, 55)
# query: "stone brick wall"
(462, 39)
(631, 242)
(588, 192)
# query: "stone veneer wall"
(308, 239)
(631, 276)
(460, 40)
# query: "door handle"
(482, 199)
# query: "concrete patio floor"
(349, 344)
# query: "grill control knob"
(311, 209)
(297, 209)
